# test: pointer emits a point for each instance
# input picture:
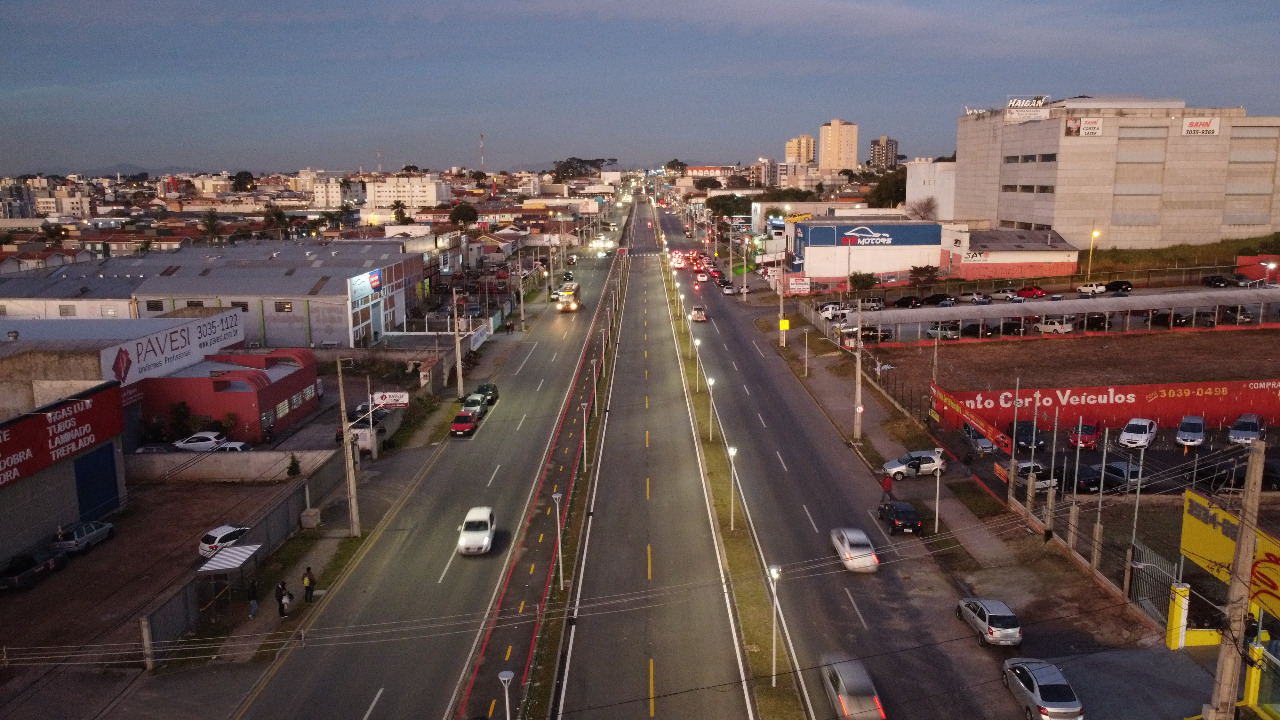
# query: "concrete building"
(1143, 173)
(415, 191)
(837, 146)
(937, 180)
(800, 150)
(801, 176)
(765, 172)
(16, 201)
(884, 153)
(336, 192)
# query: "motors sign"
(1113, 405)
(55, 432)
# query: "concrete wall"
(258, 466)
(937, 180)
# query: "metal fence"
(1149, 584)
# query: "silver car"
(849, 688)
(83, 536)
(1247, 428)
(1190, 431)
(855, 550)
(475, 534)
(916, 462)
(477, 404)
(994, 622)
(1041, 690)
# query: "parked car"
(1044, 481)
(477, 404)
(944, 331)
(1242, 280)
(362, 410)
(916, 462)
(1215, 281)
(868, 333)
(974, 297)
(1013, 327)
(900, 517)
(1190, 431)
(1027, 433)
(735, 289)
(223, 536)
(1168, 319)
(1053, 327)
(828, 305)
(907, 301)
(82, 536)
(204, 441)
(835, 312)
(1092, 289)
(1123, 286)
(939, 299)
(1137, 433)
(1129, 474)
(24, 570)
(871, 304)
(1095, 321)
(1247, 428)
(475, 534)
(977, 330)
(490, 392)
(1004, 294)
(152, 448)
(233, 446)
(464, 423)
(854, 549)
(1031, 292)
(1041, 689)
(1089, 478)
(992, 620)
(1085, 435)
(979, 444)
(1235, 316)
(1205, 318)
(850, 690)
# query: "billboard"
(1113, 405)
(1199, 126)
(956, 412)
(1084, 127)
(365, 284)
(1020, 109)
(1209, 540)
(826, 234)
(180, 346)
(33, 441)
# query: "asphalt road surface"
(653, 636)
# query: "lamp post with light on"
(711, 411)
(559, 555)
(1093, 237)
(732, 476)
(697, 366)
(775, 572)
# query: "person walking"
(282, 599)
(252, 593)
(308, 585)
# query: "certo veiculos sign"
(55, 432)
(1219, 402)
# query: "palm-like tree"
(210, 227)
(398, 212)
(275, 219)
(332, 219)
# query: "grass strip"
(979, 501)
(943, 546)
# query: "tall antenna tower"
(379, 159)
(481, 152)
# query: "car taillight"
(1044, 711)
(875, 558)
(879, 706)
(991, 631)
(213, 547)
(844, 710)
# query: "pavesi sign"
(163, 352)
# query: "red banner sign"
(55, 432)
(1112, 405)
(956, 412)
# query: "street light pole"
(733, 474)
(806, 352)
(711, 411)
(775, 572)
(595, 382)
(505, 678)
(559, 553)
(353, 506)
(1093, 237)
(697, 366)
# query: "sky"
(269, 85)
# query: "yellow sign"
(1209, 540)
(784, 324)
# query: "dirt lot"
(1151, 357)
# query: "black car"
(489, 391)
(1119, 286)
(978, 330)
(875, 333)
(1235, 316)
(24, 570)
(1165, 319)
(1095, 321)
(900, 516)
(940, 298)
(908, 301)
(1089, 478)
(1023, 433)
(568, 275)
(362, 425)
(1215, 281)
(1013, 327)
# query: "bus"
(568, 298)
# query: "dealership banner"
(827, 234)
(35, 440)
(1209, 534)
(955, 412)
(1113, 405)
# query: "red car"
(1031, 291)
(464, 423)
(1084, 435)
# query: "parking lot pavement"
(1151, 683)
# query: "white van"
(871, 304)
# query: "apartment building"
(800, 150)
(884, 153)
(837, 146)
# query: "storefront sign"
(364, 285)
(1020, 109)
(798, 286)
(818, 235)
(1199, 126)
(391, 399)
(35, 440)
(1209, 535)
(164, 352)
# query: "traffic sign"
(391, 399)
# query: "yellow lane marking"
(650, 687)
(646, 488)
(646, 372)
(554, 488)
(648, 551)
(531, 569)
(518, 612)
(548, 509)
(508, 657)
(646, 402)
(646, 438)
(539, 537)
(646, 354)
(492, 704)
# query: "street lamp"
(697, 365)
(559, 555)
(775, 572)
(806, 351)
(732, 476)
(711, 411)
(1270, 266)
(1088, 274)
(595, 382)
(505, 678)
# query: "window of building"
(309, 392)
(66, 311)
(3, 311)
(1049, 157)
(240, 305)
(1011, 158)
(108, 311)
(155, 306)
(284, 307)
(1022, 225)
(1028, 158)
(1008, 188)
(296, 400)
(1044, 189)
(282, 409)
(1006, 223)
(195, 303)
(1026, 188)
(1039, 226)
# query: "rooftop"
(1005, 239)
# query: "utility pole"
(457, 346)
(857, 380)
(1226, 682)
(1013, 447)
(353, 507)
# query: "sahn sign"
(1113, 405)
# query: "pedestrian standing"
(308, 585)
(252, 593)
(282, 595)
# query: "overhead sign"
(164, 352)
(1020, 109)
(1209, 534)
(1199, 126)
(818, 235)
(391, 399)
(35, 440)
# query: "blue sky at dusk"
(269, 85)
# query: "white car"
(1004, 294)
(916, 462)
(1044, 481)
(992, 620)
(233, 446)
(223, 536)
(1053, 327)
(703, 277)
(476, 532)
(1137, 433)
(1092, 289)
(201, 442)
(855, 549)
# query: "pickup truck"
(1054, 327)
(24, 570)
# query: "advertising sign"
(391, 399)
(956, 413)
(798, 286)
(163, 352)
(1084, 127)
(1020, 109)
(1199, 126)
(35, 440)
(1113, 405)
(1209, 535)
(363, 285)
(818, 235)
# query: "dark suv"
(24, 570)
(1119, 286)
(1024, 432)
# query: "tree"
(737, 182)
(890, 191)
(332, 220)
(728, 205)
(862, 281)
(243, 181)
(275, 220)
(675, 167)
(707, 183)
(410, 169)
(463, 214)
(923, 209)
(946, 158)
(398, 212)
(786, 195)
(577, 167)
(849, 175)
(819, 188)
(478, 175)
(210, 227)
(54, 233)
(924, 275)
(773, 211)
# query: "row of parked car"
(474, 409)
(25, 569)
